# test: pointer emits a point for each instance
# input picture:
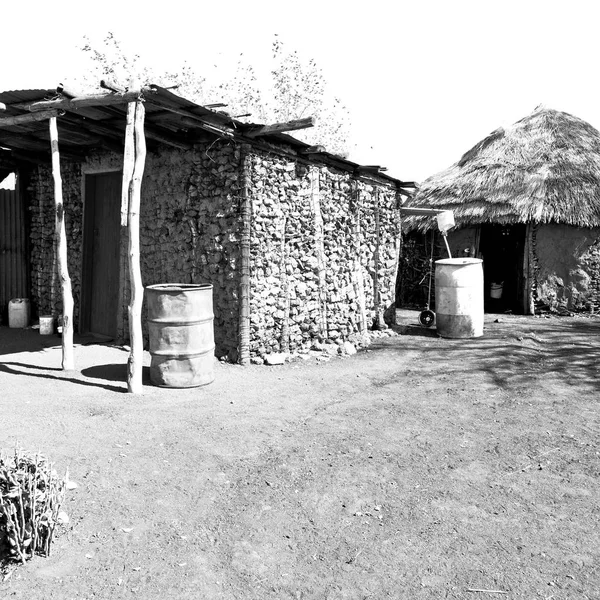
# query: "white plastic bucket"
(18, 313)
(46, 325)
(459, 297)
(496, 291)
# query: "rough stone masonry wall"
(324, 245)
(45, 285)
(189, 228)
(324, 254)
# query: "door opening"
(101, 273)
(502, 248)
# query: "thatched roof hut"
(544, 169)
(527, 199)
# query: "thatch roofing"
(544, 168)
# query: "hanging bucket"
(459, 297)
(18, 313)
(180, 327)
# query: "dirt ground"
(419, 468)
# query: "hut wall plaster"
(324, 245)
(569, 266)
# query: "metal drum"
(180, 326)
(459, 297)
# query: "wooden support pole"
(246, 225)
(379, 322)
(68, 362)
(135, 363)
(319, 241)
(128, 162)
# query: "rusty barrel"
(459, 297)
(180, 328)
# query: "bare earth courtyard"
(419, 468)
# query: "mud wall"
(568, 267)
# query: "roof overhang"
(94, 122)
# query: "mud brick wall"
(568, 260)
(323, 250)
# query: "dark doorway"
(502, 248)
(14, 255)
(101, 254)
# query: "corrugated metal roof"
(170, 119)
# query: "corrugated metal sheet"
(14, 272)
(85, 128)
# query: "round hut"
(526, 199)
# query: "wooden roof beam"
(423, 212)
(190, 119)
(28, 118)
(83, 101)
(370, 169)
(116, 132)
(280, 127)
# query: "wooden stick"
(281, 127)
(21, 119)
(315, 200)
(107, 84)
(487, 591)
(378, 323)
(135, 362)
(83, 101)
(246, 216)
(128, 162)
(68, 362)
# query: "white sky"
(424, 81)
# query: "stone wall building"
(299, 245)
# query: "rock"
(331, 349)
(349, 348)
(276, 358)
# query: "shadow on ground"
(514, 349)
(113, 372)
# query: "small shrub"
(30, 497)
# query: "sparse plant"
(31, 494)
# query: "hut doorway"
(101, 274)
(502, 248)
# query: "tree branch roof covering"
(544, 168)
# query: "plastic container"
(496, 290)
(445, 220)
(46, 325)
(459, 297)
(18, 313)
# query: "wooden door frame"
(85, 274)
